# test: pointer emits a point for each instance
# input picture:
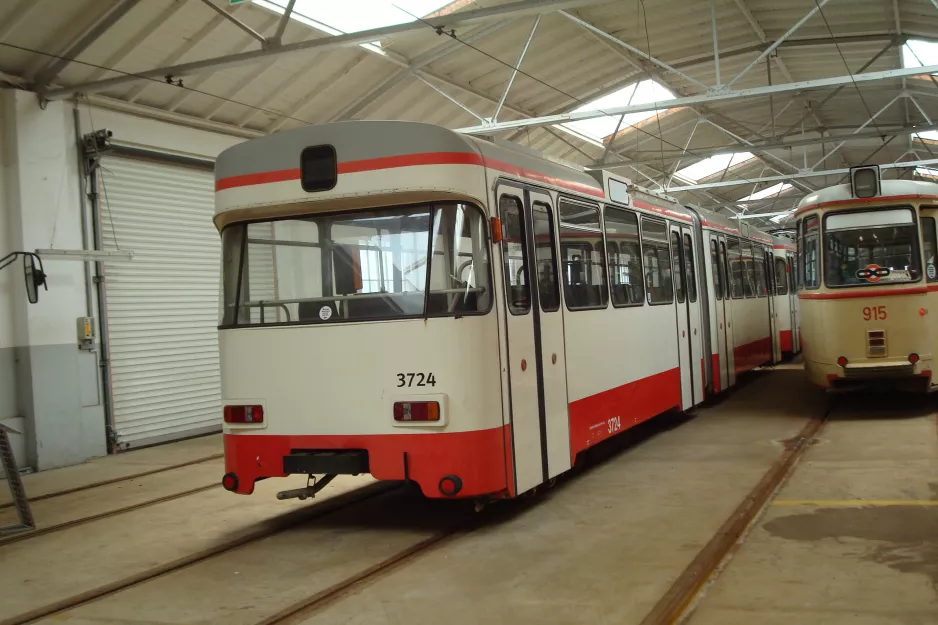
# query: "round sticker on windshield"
(325, 313)
(932, 272)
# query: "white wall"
(44, 378)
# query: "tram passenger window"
(810, 253)
(582, 259)
(725, 271)
(737, 269)
(657, 262)
(781, 277)
(716, 270)
(749, 269)
(678, 270)
(930, 248)
(516, 272)
(546, 260)
(759, 272)
(625, 257)
(689, 269)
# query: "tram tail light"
(244, 414)
(842, 361)
(913, 358)
(416, 411)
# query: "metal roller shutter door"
(163, 305)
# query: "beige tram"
(868, 282)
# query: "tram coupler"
(309, 491)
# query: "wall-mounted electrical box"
(86, 333)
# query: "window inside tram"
(657, 262)
(809, 251)
(737, 269)
(871, 247)
(749, 270)
(383, 264)
(781, 277)
(625, 257)
(581, 255)
(930, 248)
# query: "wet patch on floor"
(907, 536)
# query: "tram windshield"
(381, 264)
(871, 247)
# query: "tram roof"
(888, 188)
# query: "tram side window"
(517, 284)
(930, 247)
(737, 269)
(657, 262)
(749, 271)
(625, 257)
(547, 290)
(811, 255)
(583, 262)
(716, 270)
(759, 271)
(689, 269)
(676, 264)
(781, 277)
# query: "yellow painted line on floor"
(854, 503)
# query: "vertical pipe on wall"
(105, 361)
(83, 203)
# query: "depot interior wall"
(48, 387)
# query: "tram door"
(728, 363)
(793, 304)
(771, 290)
(540, 436)
(722, 292)
(683, 267)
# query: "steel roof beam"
(452, 21)
(773, 145)
(55, 66)
(705, 98)
(796, 176)
(791, 31)
(284, 20)
(231, 18)
(514, 72)
(632, 49)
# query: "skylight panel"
(599, 128)
(352, 16)
(917, 53)
(927, 172)
(775, 189)
(709, 166)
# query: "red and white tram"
(402, 300)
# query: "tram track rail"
(677, 604)
(42, 531)
(116, 480)
(307, 606)
(265, 530)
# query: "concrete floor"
(853, 536)
(601, 547)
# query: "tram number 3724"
(874, 313)
(614, 424)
